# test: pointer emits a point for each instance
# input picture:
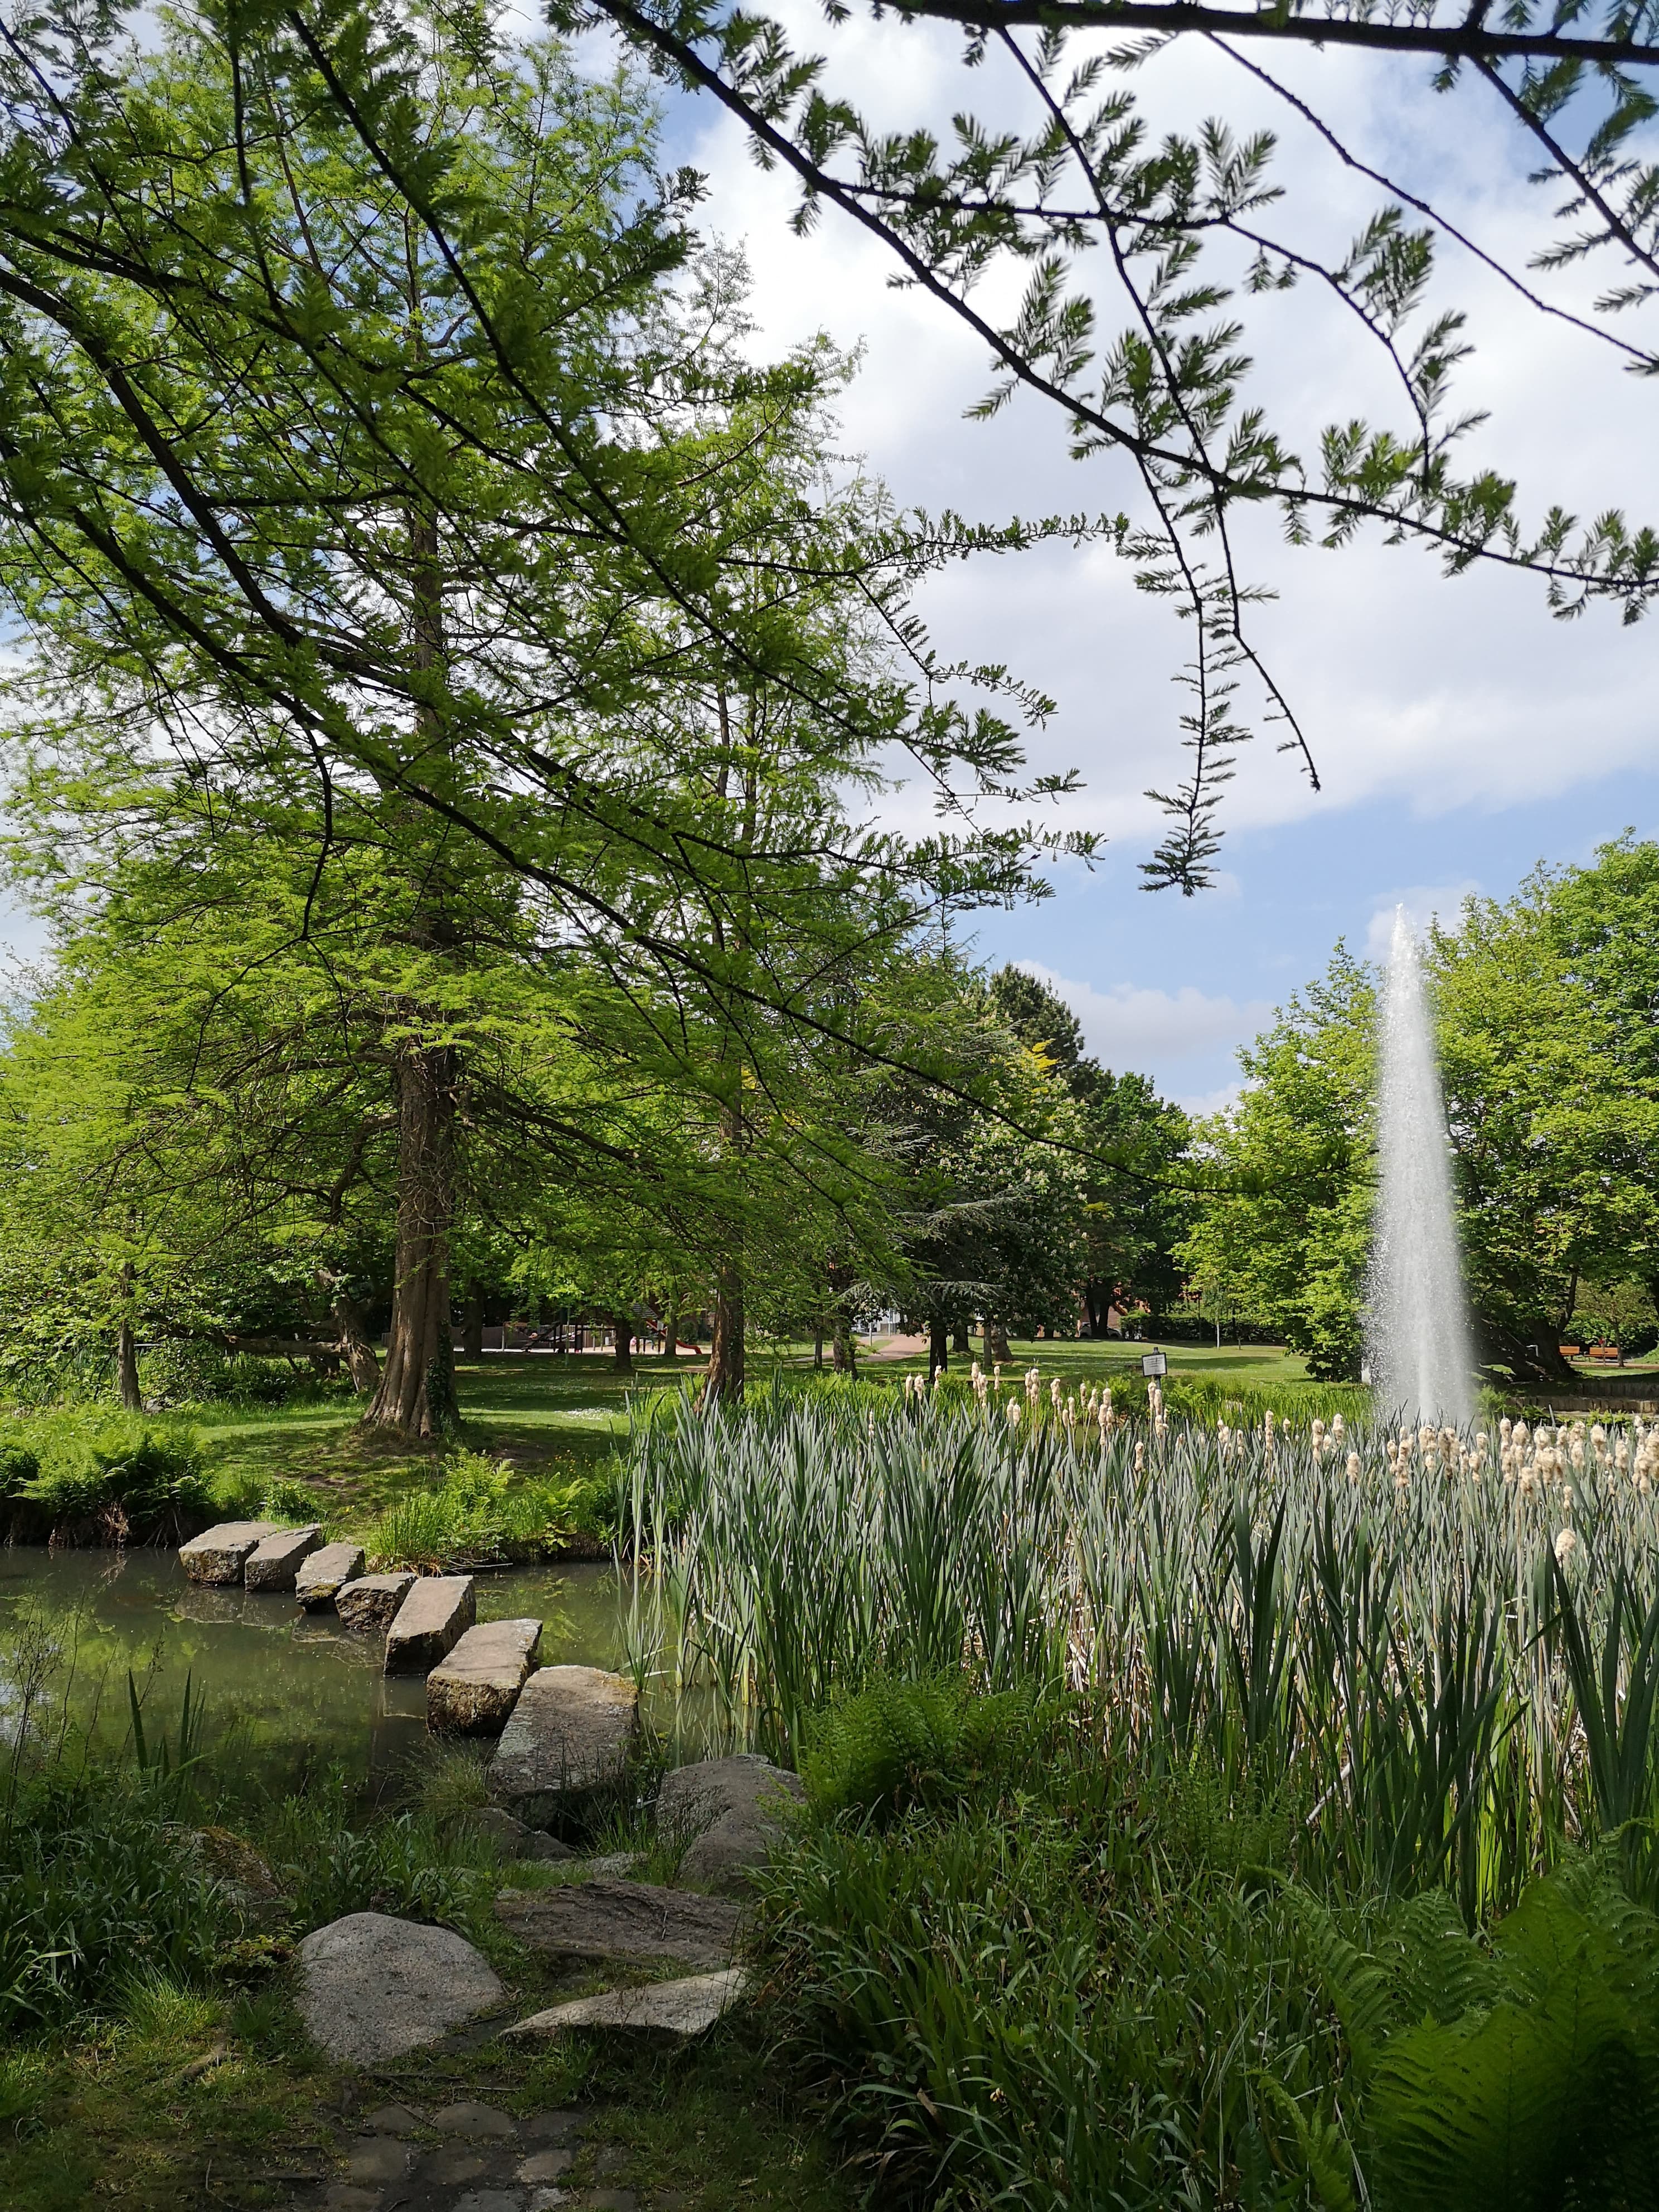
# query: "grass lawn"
(562, 1417)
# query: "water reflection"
(301, 1690)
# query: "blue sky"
(1463, 736)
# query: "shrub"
(102, 1477)
(482, 1508)
(330, 1863)
(896, 1744)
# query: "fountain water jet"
(1417, 1321)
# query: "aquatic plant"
(1391, 1621)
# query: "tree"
(492, 532)
(1185, 233)
(1135, 1142)
(1544, 1007)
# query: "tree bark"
(846, 1351)
(126, 1367)
(959, 1343)
(939, 1349)
(725, 1347)
(817, 1340)
(416, 1393)
(623, 1332)
(671, 1336)
(996, 1342)
(360, 1358)
(472, 1326)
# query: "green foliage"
(25, 2080)
(100, 1477)
(481, 1508)
(95, 1885)
(893, 1744)
(330, 1859)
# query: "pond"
(296, 1690)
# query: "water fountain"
(1417, 1322)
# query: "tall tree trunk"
(939, 1348)
(671, 1336)
(472, 1326)
(416, 1393)
(996, 1341)
(126, 1349)
(623, 1332)
(362, 1362)
(959, 1343)
(725, 1347)
(817, 1340)
(846, 1351)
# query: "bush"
(98, 1479)
(896, 1744)
(94, 1887)
(183, 1371)
(482, 1508)
(407, 1863)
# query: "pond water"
(296, 1690)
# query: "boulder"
(322, 1574)
(274, 1562)
(372, 1601)
(516, 1838)
(478, 1685)
(218, 1555)
(372, 1988)
(429, 1622)
(682, 2008)
(571, 1731)
(731, 1809)
(621, 1923)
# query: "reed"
(1442, 1645)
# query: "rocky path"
(474, 2157)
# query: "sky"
(1462, 735)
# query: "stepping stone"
(562, 2126)
(491, 2200)
(218, 1555)
(733, 1809)
(392, 2120)
(630, 1923)
(683, 2009)
(430, 1623)
(274, 1564)
(382, 2158)
(371, 1601)
(321, 1576)
(572, 1730)
(473, 2120)
(544, 2166)
(448, 2168)
(478, 1685)
(372, 1988)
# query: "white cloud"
(1129, 1025)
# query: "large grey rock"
(632, 1922)
(274, 1562)
(322, 1574)
(683, 2009)
(372, 1601)
(219, 1555)
(372, 1988)
(430, 1623)
(733, 1809)
(478, 1685)
(517, 1837)
(571, 1731)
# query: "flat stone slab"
(516, 1838)
(632, 1922)
(372, 1601)
(733, 1809)
(323, 1573)
(571, 1731)
(683, 2008)
(473, 2120)
(274, 1564)
(372, 1987)
(478, 1685)
(430, 1623)
(219, 1555)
